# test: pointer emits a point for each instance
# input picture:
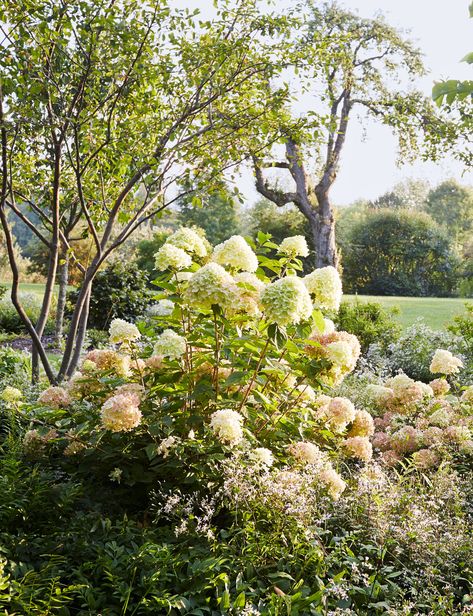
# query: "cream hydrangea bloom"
(325, 285)
(170, 344)
(188, 240)
(294, 246)
(307, 452)
(363, 424)
(227, 426)
(332, 481)
(467, 395)
(171, 257)
(123, 332)
(329, 326)
(262, 455)
(286, 301)
(248, 288)
(120, 413)
(11, 394)
(211, 285)
(166, 445)
(444, 362)
(340, 412)
(359, 447)
(236, 254)
(440, 387)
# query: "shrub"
(10, 320)
(119, 291)
(399, 253)
(15, 367)
(370, 323)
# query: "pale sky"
(444, 33)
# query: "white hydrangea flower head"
(166, 445)
(339, 353)
(294, 246)
(11, 395)
(163, 308)
(122, 332)
(188, 240)
(171, 257)
(325, 286)
(286, 301)
(340, 412)
(379, 394)
(211, 285)
(227, 426)
(329, 326)
(363, 424)
(236, 254)
(170, 344)
(440, 387)
(120, 413)
(444, 362)
(262, 455)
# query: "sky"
(444, 33)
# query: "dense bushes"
(399, 253)
(10, 320)
(118, 291)
(202, 465)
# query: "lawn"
(436, 311)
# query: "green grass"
(437, 312)
(28, 287)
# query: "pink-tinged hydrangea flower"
(406, 440)
(457, 434)
(390, 458)
(444, 362)
(378, 394)
(294, 246)
(381, 441)
(340, 412)
(467, 395)
(432, 436)
(107, 360)
(307, 452)
(440, 387)
(227, 426)
(425, 459)
(325, 286)
(155, 362)
(122, 332)
(363, 424)
(332, 481)
(358, 447)
(55, 397)
(286, 301)
(171, 257)
(120, 413)
(340, 348)
(236, 254)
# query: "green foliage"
(451, 205)
(118, 291)
(399, 253)
(9, 318)
(14, 367)
(370, 322)
(216, 213)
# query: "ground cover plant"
(203, 463)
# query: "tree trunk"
(324, 238)
(79, 342)
(61, 300)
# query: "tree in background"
(106, 107)
(348, 65)
(399, 253)
(265, 216)
(451, 205)
(217, 213)
(410, 194)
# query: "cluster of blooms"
(325, 286)
(121, 413)
(105, 360)
(11, 395)
(443, 362)
(421, 421)
(55, 397)
(170, 344)
(227, 426)
(236, 254)
(295, 246)
(35, 443)
(122, 332)
(163, 308)
(286, 301)
(211, 285)
(341, 349)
